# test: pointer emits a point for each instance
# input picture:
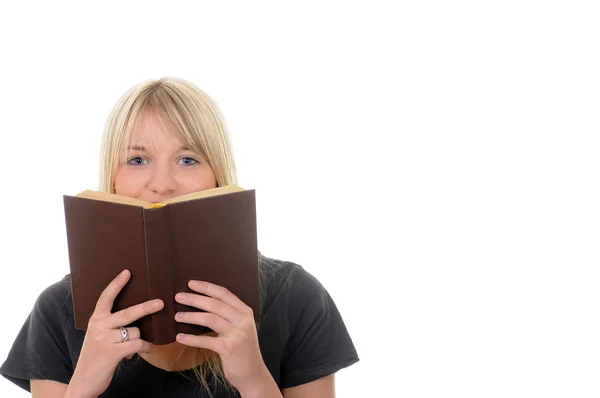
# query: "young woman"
(164, 139)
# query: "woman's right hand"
(103, 348)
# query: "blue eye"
(137, 161)
(188, 161)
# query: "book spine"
(159, 270)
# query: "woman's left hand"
(237, 340)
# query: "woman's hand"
(237, 340)
(103, 347)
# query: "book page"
(204, 194)
(111, 197)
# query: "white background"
(434, 164)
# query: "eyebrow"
(143, 148)
(136, 148)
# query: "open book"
(208, 235)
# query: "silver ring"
(124, 334)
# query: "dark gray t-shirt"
(302, 338)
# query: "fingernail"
(196, 284)
(181, 337)
(180, 297)
(178, 316)
(157, 303)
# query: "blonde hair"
(195, 119)
(185, 110)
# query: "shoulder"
(300, 314)
(47, 345)
(293, 293)
(57, 294)
(59, 289)
(280, 273)
(286, 278)
(55, 299)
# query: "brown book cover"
(208, 236)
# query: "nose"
(162, 181)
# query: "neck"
(172, 357)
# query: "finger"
(220, 293)
(107, 297)
(131, 314)
(209, 342)
(129, 348)
(215, 322)
(210, 304)
(132, 334)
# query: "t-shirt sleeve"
(40, 351)
(318, 344)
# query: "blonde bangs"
(178, 119)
